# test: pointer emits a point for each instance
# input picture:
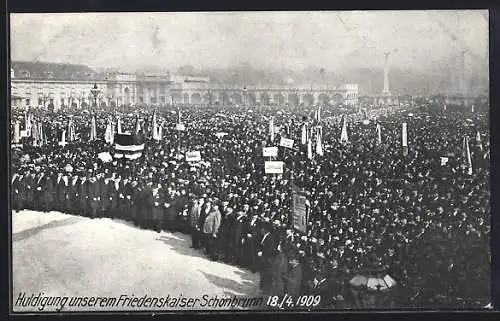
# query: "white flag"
(405, 136)
(343, 134)
(469, 160)
(472, 108)
(444, 107)
(155, 128)
(271, 128)
(93, 131)
(17, 136)
(309, 149)
(63, 138)
(109, 132)
(119, 125)
(318, 114)
(319, 144)
(304, 135)
(379, 134)
(478, 140)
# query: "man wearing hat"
(207, 207)
(267, 252)
(211, 229)
(237, 238)
(194, 216)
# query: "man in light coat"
(211, 229)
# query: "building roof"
(53, 71)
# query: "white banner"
(270, 151)
(193, 156)
(405, 136)
(220, 135)
(180, 127)
(286, 142)
(273, 167)
(444, 161)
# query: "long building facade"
(48, 85)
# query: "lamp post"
(95, 92)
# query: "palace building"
(53, 85)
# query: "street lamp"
(95, 92)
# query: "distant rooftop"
(53, 71)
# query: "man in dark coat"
(48, 193)
(267, 253)
(30, 191)
(17, 186)
(39, 192)
(134, 198)
(252, 237)
(194, 217)
(123, 206)
(225, 245)
(157, 198)
(75, 195)
(238, 237)
(104, 194)
(94, 196)
(147, 205)
(83, 196)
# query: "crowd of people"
(371, 207)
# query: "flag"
(93, 130)
(444, 107)
(343, 134)
(41, 137)
(271, 128)
(318, 114)
(304, 134)
(119, 125)
(108, 135)
(469, 160)
(179, 121)
(137, 125)
(405, 139)
(155, 127)
(128, 146)
(63, 138)
(464, 148)
(17, 136)
(472, 108)
(34, 133)
(379, 134)
(478, 140)
(68, 131)
(319, 144)
(160, 132)
(309, 149)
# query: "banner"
(128, 146)
(193, 156)
(180, 127)
(286, 142)
(220, 135)
(300, 212)
(444, 160)
(273, 167)
(270, 151)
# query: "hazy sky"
(329, 40)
